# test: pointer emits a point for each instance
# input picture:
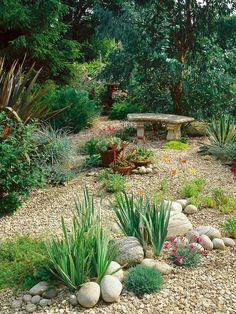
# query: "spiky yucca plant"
(18, 93)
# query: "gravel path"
(210, 288)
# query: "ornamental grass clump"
(138, 217)
(85, 250)
(142, 279)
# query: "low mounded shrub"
(23, 263)
(90, 146)
(79, 109)
(142, 279)
(115, 183)
(19, 169)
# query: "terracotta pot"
(109, 156)
(122, 170)
(140, 163)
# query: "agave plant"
(18, 93)
(222, 131)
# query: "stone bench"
(173, 123)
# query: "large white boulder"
(89, 294)
(115, 270)
(111, 289)
(179, 224)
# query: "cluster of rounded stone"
(109, 289)
(181, 205)
(39, 295)
(144, 170)
(209, 238)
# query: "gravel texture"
(208, 289)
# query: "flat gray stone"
(163, 267)
(50, 293)
(73, 300)
(16, 304)
(35, 299)
(30, 308)
(39, 288)
(27, 298)
(45, 302)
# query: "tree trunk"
(177, 94)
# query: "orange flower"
(183, 161)
(173, 172)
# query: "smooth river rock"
(111, 288)
(89, 294)
(179, 224)
(218, 244)
(183, 202)
(206, 242)
(211, 232)
(190, 209)
(163, 267)
(129, 251)
(115, 270)
(39, 288)
(229, 242)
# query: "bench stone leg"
(174, 132)
(140, 130)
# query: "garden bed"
(210, 288)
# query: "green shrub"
(115, 183)
(175, 145)
(23, 262)
(79, 109)
(90, 146)
(185, 255)
(19, 170)
(85, 251)
(142, 279)
(230, 226)
(120, 110)
(192, 188)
